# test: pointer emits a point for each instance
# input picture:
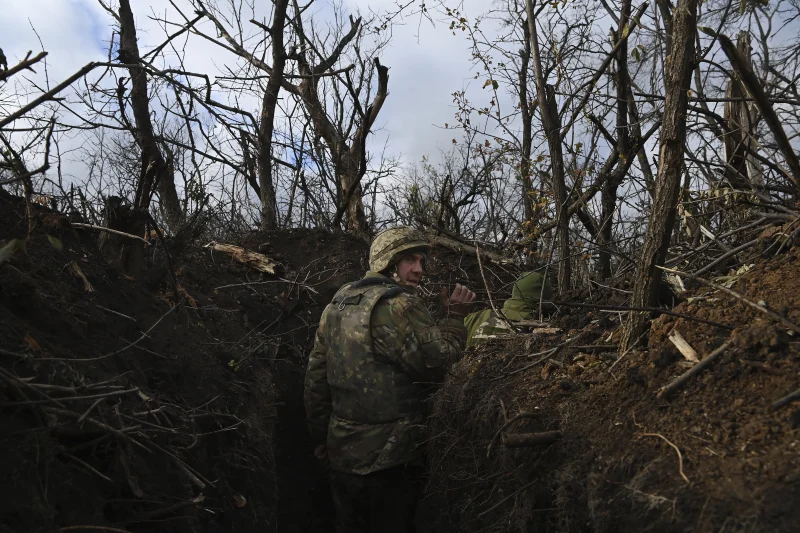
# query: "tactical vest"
(365, 388)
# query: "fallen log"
(522, 440)
(446, 242)
(247, 257)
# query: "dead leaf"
(55, 242)
(8, 251)
(32, 344)
(239, 500)
(76, 271)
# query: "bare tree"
(670, 167)
(156, 171)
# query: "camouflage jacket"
(376, 357)
(484, 325)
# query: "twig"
(648, 309)
(109, 230)
(15, 380)
(72, 398)
(198, 480)
(547, 355)
(165, 511)
(523, 440)
(93, 528)
(497, 313)
(60, 87)
(115, 312)
(629, 350)
(90, 409)
(75, 269)
(137, 341)
(726, 255)
(786, 400)
(303, 285)
(116, 432)
(513, 494)
(769, 312)
(683, 346)
(680, 456)
(22, 65)
(87, 466)
(696, 369)
(518, 416)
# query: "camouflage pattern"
(376, 356)
(528, 290)
(390, 244)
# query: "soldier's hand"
(460, 302)
(321, 452)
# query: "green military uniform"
(377, 351)
(528, 291)
(376, 355)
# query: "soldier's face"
(410, 269)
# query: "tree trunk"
(609, 193)
(126, 252)
(269, 206)
(741, 118)
(680, 63)
(350, 180)
(156, 171)
(550, 122)
(527, 133)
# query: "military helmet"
(390, 244)
(531, 286)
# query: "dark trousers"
(381, 502)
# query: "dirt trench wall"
(116, 408)
(714, 456)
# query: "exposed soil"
(613, 469)
(214, 439)
(180, 444)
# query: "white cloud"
(427, 63)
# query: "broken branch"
(689, 374)
(109, 230)
(252, 259)
(786, 400)
(522, 440)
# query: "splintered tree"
(552, 129)
(680, 63)
(156, 171)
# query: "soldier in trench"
(528, 291)
(377, 354)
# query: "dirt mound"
(713, 456)
(121, 410)
(118, 409)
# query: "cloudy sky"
(427, 63)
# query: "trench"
(304, 500)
